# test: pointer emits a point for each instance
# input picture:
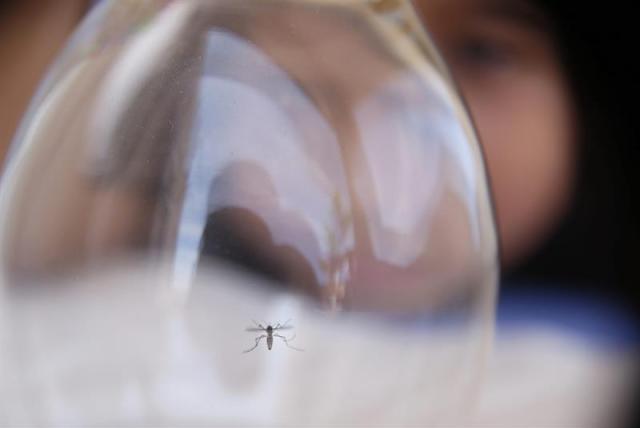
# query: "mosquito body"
(269, 333)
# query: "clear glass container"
(194, 169)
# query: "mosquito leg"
(286, 341)
(258, 325)
(282, 325)
(258, 339)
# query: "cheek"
(526, 127)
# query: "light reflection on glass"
(254, 159)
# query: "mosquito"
(270, 334)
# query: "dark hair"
(595, 246)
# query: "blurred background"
(552, 90)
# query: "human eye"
(483, 52)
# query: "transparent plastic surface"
(193, 169)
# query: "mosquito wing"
(284, 327)
(253, 329)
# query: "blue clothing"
(598, 319)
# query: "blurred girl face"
(505, 61)
(507, 67)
